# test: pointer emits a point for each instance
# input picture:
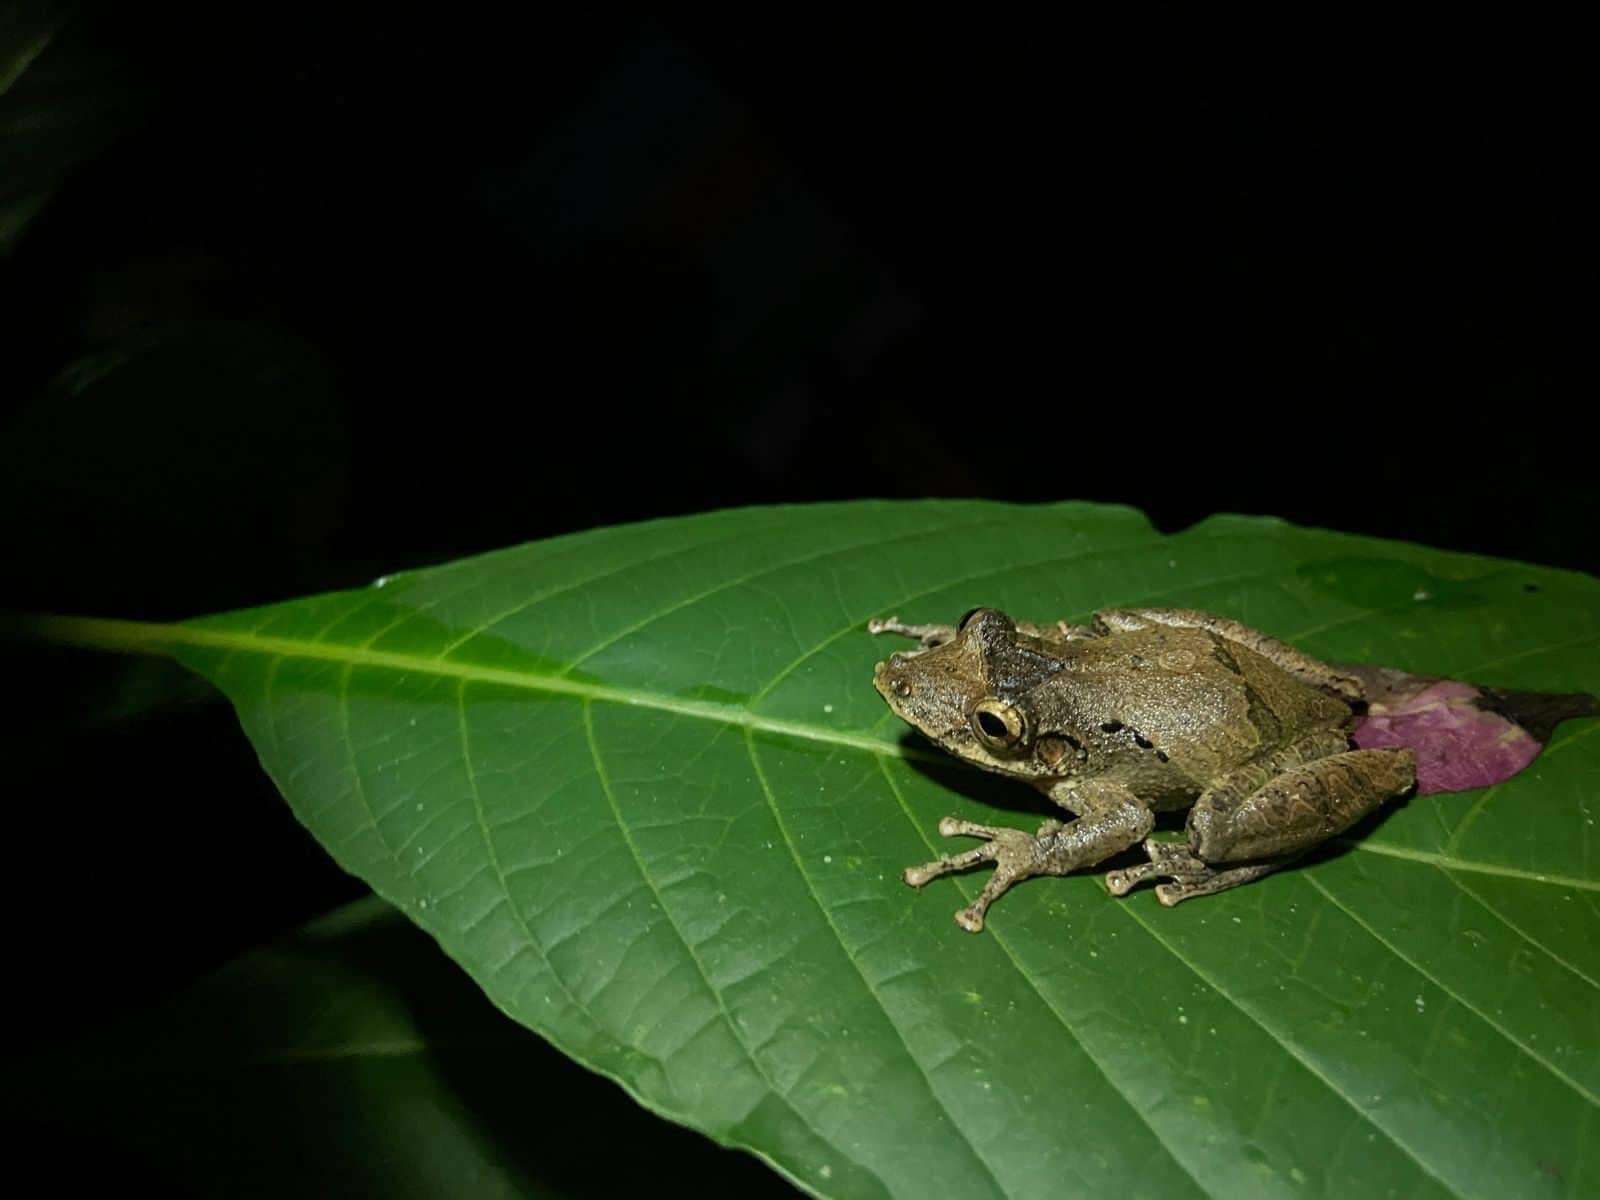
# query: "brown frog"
(1142, 711)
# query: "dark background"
(321, 292)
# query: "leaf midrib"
(149, 637)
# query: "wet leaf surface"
(638, 784)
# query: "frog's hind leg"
(1186, 888)
(1237, 834)
(1166, 859)
(1176, 860)
(1298, 809)
(1190, 876)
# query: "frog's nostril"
(885, 675)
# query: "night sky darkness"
(322, 295)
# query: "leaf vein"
(770, 569)
(1488, 1020)
(689, 949)
(494, 864)
(1462, 864)
(1022, 973)
(855, 624)
(528, 602)
(1517, 929)
(1288, 1047)
(844, 948)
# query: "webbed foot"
(1016, 856)
(1113, 819)
(1170, 859)
(1214, 881)
(1190, 876)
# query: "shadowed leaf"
(352, 1059)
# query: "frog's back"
(1282, 708)
(1208, 703)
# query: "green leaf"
(638, 784)
(350, 1059)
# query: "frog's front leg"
(1111, 819)
(928, 635)
(1234, 839)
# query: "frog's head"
(976, 697)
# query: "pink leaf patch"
(1464, 736)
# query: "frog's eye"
(998, 725)
(988, 620)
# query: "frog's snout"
(890, 678)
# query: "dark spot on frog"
(1136, 661)
(1220, 652)
(1145, 743)
(1111, 727)
(1262, 717)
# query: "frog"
(1138, 712)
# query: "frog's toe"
(1016, 856)
(1171, 894)
(1120, 883)
(970, 918)
(1171, 859)
(927, 872)
(956, 827)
